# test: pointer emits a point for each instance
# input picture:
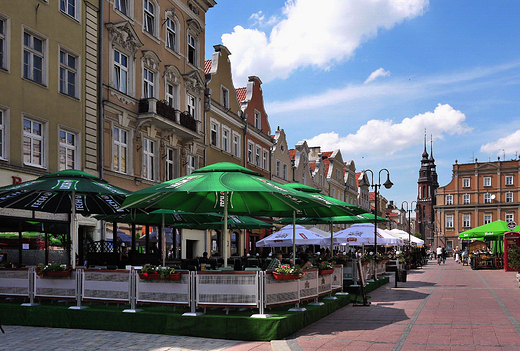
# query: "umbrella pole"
(224, 233)
(73, 231)
(294, 238)
(331, 238)
(163, 242)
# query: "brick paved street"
(447, 307)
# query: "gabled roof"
(292, 154)
(312, 166)
(358, 174)
(207, 66)
(372, 196)
(241, 94)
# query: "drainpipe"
(100, 103)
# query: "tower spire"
(431, 148)
(425, 153)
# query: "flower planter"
(156, 276)
(279, 276)
(326, 271)
(365, 263)
(60, 274)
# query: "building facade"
(426, 197)
(281, 163)
(479, 193)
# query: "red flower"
(145, 274)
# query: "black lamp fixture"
(409, 210)
(364, 184)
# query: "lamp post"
(409, 210)
(364, 184)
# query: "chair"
(252, 262)
(212, 262)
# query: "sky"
(368, 77)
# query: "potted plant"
(53, 270)
(366, 259)
(151, 272)
(286, 272)
(326, 268)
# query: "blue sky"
(368, 77)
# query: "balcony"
(163, 116)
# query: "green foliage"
(41, 269)
(513, 257)
(164, 272)
(286, 270)
(325, 265)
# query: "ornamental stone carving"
(123, 34)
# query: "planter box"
(156, 276)
(279, 276)
(60, 274)
(326, 271)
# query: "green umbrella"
(171, 217)
(489, 231)
(314, 192)
(68, 191)
(230, 189)
(234, 222)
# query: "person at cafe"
(275, 262)
(305, 261)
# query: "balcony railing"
(162, 109)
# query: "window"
(509, 196)
(224, 95)
(191, 105)
(70, 7)
(171, 161)
(258, 120)
(510, 217)
(466, 182)
(449, 199)
(266, 160)
(258, 157)
(278, 168)
(148, 159)
(285, 171)
(171, 35)
(68, 150)
(170, 95)
(334, 193)
(214, 133)
(338, 174)
(487, 181)
(3, 43)
(149, 17)
(122, 6)
(148, 84)
(487, 198)
(120, 149)
(192, 50)
(68, 74)
(250, 151)
(33, 142)
(191, 162)
(466, 220)
(449, 221)
(225, 138)
(3, 123)
(488, 218)
(509, 180)
(236, 144)
(120, 72)
(465, 199)
(33, 58)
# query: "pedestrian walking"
(439, 255)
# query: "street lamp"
(409, 210)
(364, 184)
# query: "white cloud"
(509, 145)
(311, 35)
(376, 74)
(259, 19)
(378, 137)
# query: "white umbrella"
(363, 234)
(284, 237)
(404, 235)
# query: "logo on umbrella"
(303, 236)
(351, 239)
(182, 182)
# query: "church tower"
(426, 200)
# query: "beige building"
(153, 95)
(225, 137)
(479, 193)
(351, 187)
(301, 166)
(281, 164)
(48, 92)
